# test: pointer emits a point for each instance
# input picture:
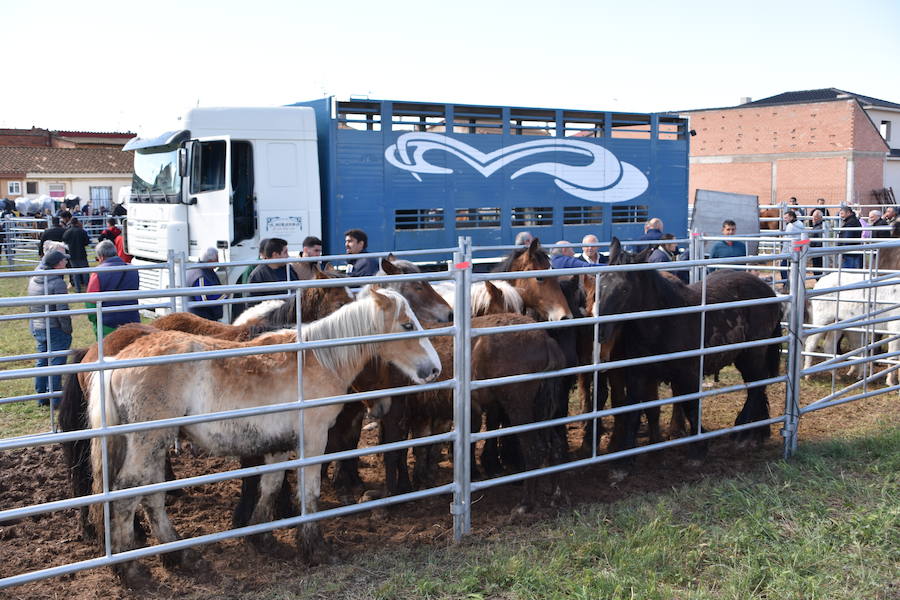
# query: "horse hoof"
(262, 542)
(185, 559)
(617, 476)
(133, 574)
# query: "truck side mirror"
(182, 162)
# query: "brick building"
(810, 144)
(37, 162)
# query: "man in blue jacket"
(106, 280)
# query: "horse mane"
(507, 263)
(355, 319)
(512, 300)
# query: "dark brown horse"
(637, 291)
(499, 355)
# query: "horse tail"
(115, 444)
(73, 416)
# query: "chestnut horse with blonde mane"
(146, 393)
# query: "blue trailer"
(417, 175)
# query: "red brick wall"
(737, 178)
(812, 178)
(868, 176)
(816, 127)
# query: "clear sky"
(100, 65)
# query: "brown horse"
(499, 355)
(138, 394)
(542, 296)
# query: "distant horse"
(139, 394)
(847, 304)
(637, 291)
(770, 213)
(542, 296)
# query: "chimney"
(746, 99)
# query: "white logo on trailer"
(604, 179)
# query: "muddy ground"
(36, 475)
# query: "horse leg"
(809, 347)
(395, 428)
(310, 542)
(142, 463)
(345, 435)
(682, 387)
(653, 415)
(751, 365)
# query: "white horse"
(148, 393)
(849, 304)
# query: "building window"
(886, 130)
(14, 188)
(57, 190)
(101, 196)
(31, 187)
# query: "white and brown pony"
(148, 393)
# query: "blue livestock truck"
(413, 175)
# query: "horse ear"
(381, 300)
(317, 272)
(304, 270)
(615, 251)
(494, 292)
(391, 257)
(535, 246)
(388, 267)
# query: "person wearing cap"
(106, 280)
(205, 277)
(52, 333)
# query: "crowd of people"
(64, 244)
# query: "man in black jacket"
(77, 240)
(849, 219)
(54, 233)
(276, 248)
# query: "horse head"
(415, 357)
(619, 291)
(542, 296)
(425, 302)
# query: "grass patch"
(823, 525)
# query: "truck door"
(220, 194)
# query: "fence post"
(795, 345)
(178, 281)
(696, 249)
(461, 507)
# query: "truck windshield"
(156, 173)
